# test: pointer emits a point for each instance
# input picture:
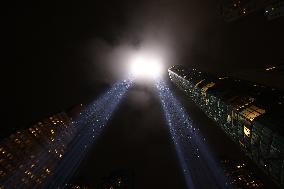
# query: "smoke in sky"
(169, 28)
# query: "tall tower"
(251, 114)
(28, 157)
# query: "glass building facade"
(251, 114)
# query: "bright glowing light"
(145, 66)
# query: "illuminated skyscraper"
(251, 114)
(28, 157)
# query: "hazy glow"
(145, 66)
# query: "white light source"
(145, 66)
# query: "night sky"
(61, 54)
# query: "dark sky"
(59, 54)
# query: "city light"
(145, 66)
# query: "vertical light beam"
(90, 124)
(199, 166)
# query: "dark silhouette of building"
(272, 75)
(232, 10)
(240, 176)
(250, 113)
(120, 179)
(117, 180)
(275, 10)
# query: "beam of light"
(91, 124)
(145, 66)
(198, 165)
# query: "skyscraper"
(250, 113)
(28, 157)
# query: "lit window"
(252, 112)
(17, 141)
(229, 119)
(47, 170)
(270, 68)
(206, 87)
(207, 101)
(247, 131)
